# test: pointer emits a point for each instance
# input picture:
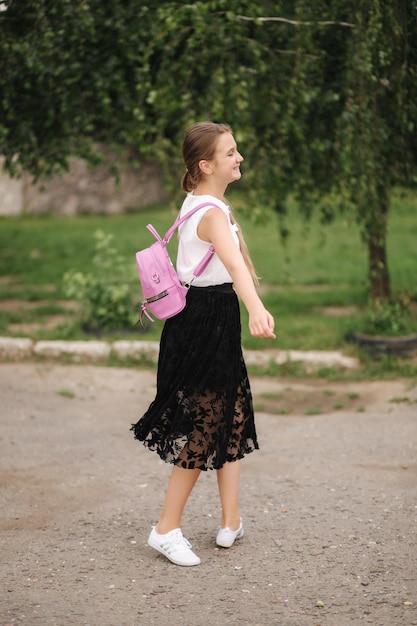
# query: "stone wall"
(11, 194)
(83, 190)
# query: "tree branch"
(293, 22)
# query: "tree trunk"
(379, 279)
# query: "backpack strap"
(202, 265)
(209, 254)
(180, 220)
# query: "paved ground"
(329, 505)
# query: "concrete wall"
(11, 195)
(82, 190)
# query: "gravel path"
(329, 505)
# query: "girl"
(202, 416)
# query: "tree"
(322, 95)
(375, 127)
(70, 76)
(345, 134)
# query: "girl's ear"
(205, 167)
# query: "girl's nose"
(239, 157)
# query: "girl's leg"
(228, 480)
(180, 486)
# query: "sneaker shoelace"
(176, 541)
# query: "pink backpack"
(164, 294)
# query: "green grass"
(335, 255)
(320, 267)
(37, 251)
(66, 393)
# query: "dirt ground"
(329, 506)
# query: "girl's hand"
(261, 324)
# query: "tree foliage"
(322, 95)
(69, 77)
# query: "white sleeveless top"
(191, 249)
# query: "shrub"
(104, 293)
(392, 317)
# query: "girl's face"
(227, 160)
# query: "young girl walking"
(202, 416)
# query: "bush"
(104, 293)
(392, 317)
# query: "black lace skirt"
(202, 415)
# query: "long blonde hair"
(200, 145)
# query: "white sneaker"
(174, 546)
(226, 537)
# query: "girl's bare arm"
(214, 228)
